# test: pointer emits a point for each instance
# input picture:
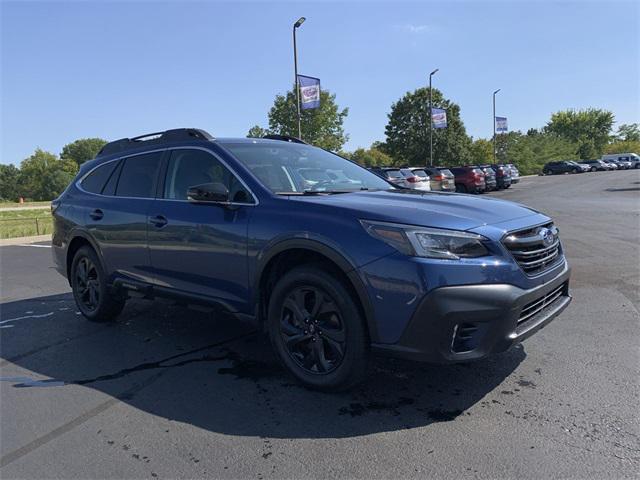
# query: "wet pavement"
(168, 392)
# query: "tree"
(82, 150)
(407, 131)
(628, 146)
(9, 177)
(628, 132)
(531, 151)
(257, 132)
(481, 151)
(589, 129)
(371, 157)
(321, 126)
(43, 176)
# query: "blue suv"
(331, 260)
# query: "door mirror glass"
(208, 192)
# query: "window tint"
(420, 173)
(94, 182)
(393, 173)
(110, 187)
(188, 168)
(138, 176)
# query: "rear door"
(201, 249)
(117, 216)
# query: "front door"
(200, 248)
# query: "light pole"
(295, 68)
(494, 125)
(431, 118)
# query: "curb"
(24, 240)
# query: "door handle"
(158, 221)
(96, 214)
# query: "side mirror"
(208, 193)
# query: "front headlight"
(427, 242)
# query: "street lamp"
(295, 68)
(431, 119)
(494, 125)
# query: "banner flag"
(439, 118)
(501, 124)
(309, 92)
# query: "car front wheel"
(90, 290)
(317, 330)
(548, 172)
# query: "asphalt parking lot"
(168, 392)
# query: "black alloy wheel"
(87, 284)
(312, 330)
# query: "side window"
(95, 181)
(190, 167)
(110, 187)
(138, 176)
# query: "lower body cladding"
(469, 322)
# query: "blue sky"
(114, 69)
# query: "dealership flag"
(439, 118)
(309, 92)
(501, 124)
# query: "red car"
(469, 179)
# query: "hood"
(428, 209)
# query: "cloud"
(414, 29)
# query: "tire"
(548, 172)
(593, 169)
(90, 289)
(460, 188)
(575, 170)
(324, 344)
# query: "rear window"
(138, 176)
(96, 180)
(393, 173)
(420, 173)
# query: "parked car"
(515, 173)
(622, 164)
(441, 179)
(584, 166)
(632, 158)
(610, 164)
(392, 174)
(489, 177)
(503, 175)
(596, 165)
(416, 178)
(563, 166)
(331, 275)
(468, 179)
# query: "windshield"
(292, 167)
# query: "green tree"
(481, 151)
(257, 132)
(43, 176)
(9, 178)
(371, 157)
(82, 150)
(322, 126)
(628, 132)
(531, 151)
(589, 129)
(407, 131)
(627, 146)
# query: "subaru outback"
(333, 262)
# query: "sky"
(116, 69)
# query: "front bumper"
(468, 322)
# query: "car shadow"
(212, 372)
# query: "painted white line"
(35, 245)
(25, 317)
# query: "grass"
(26, 204)
(25, 223)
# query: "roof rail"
(156, 138)
(285, 138)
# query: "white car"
(417, 179)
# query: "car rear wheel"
(317, 330)
(460, 188)
(575, 170)
(593, 169)
(90, 290)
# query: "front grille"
(535, 249)
(537, 306)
